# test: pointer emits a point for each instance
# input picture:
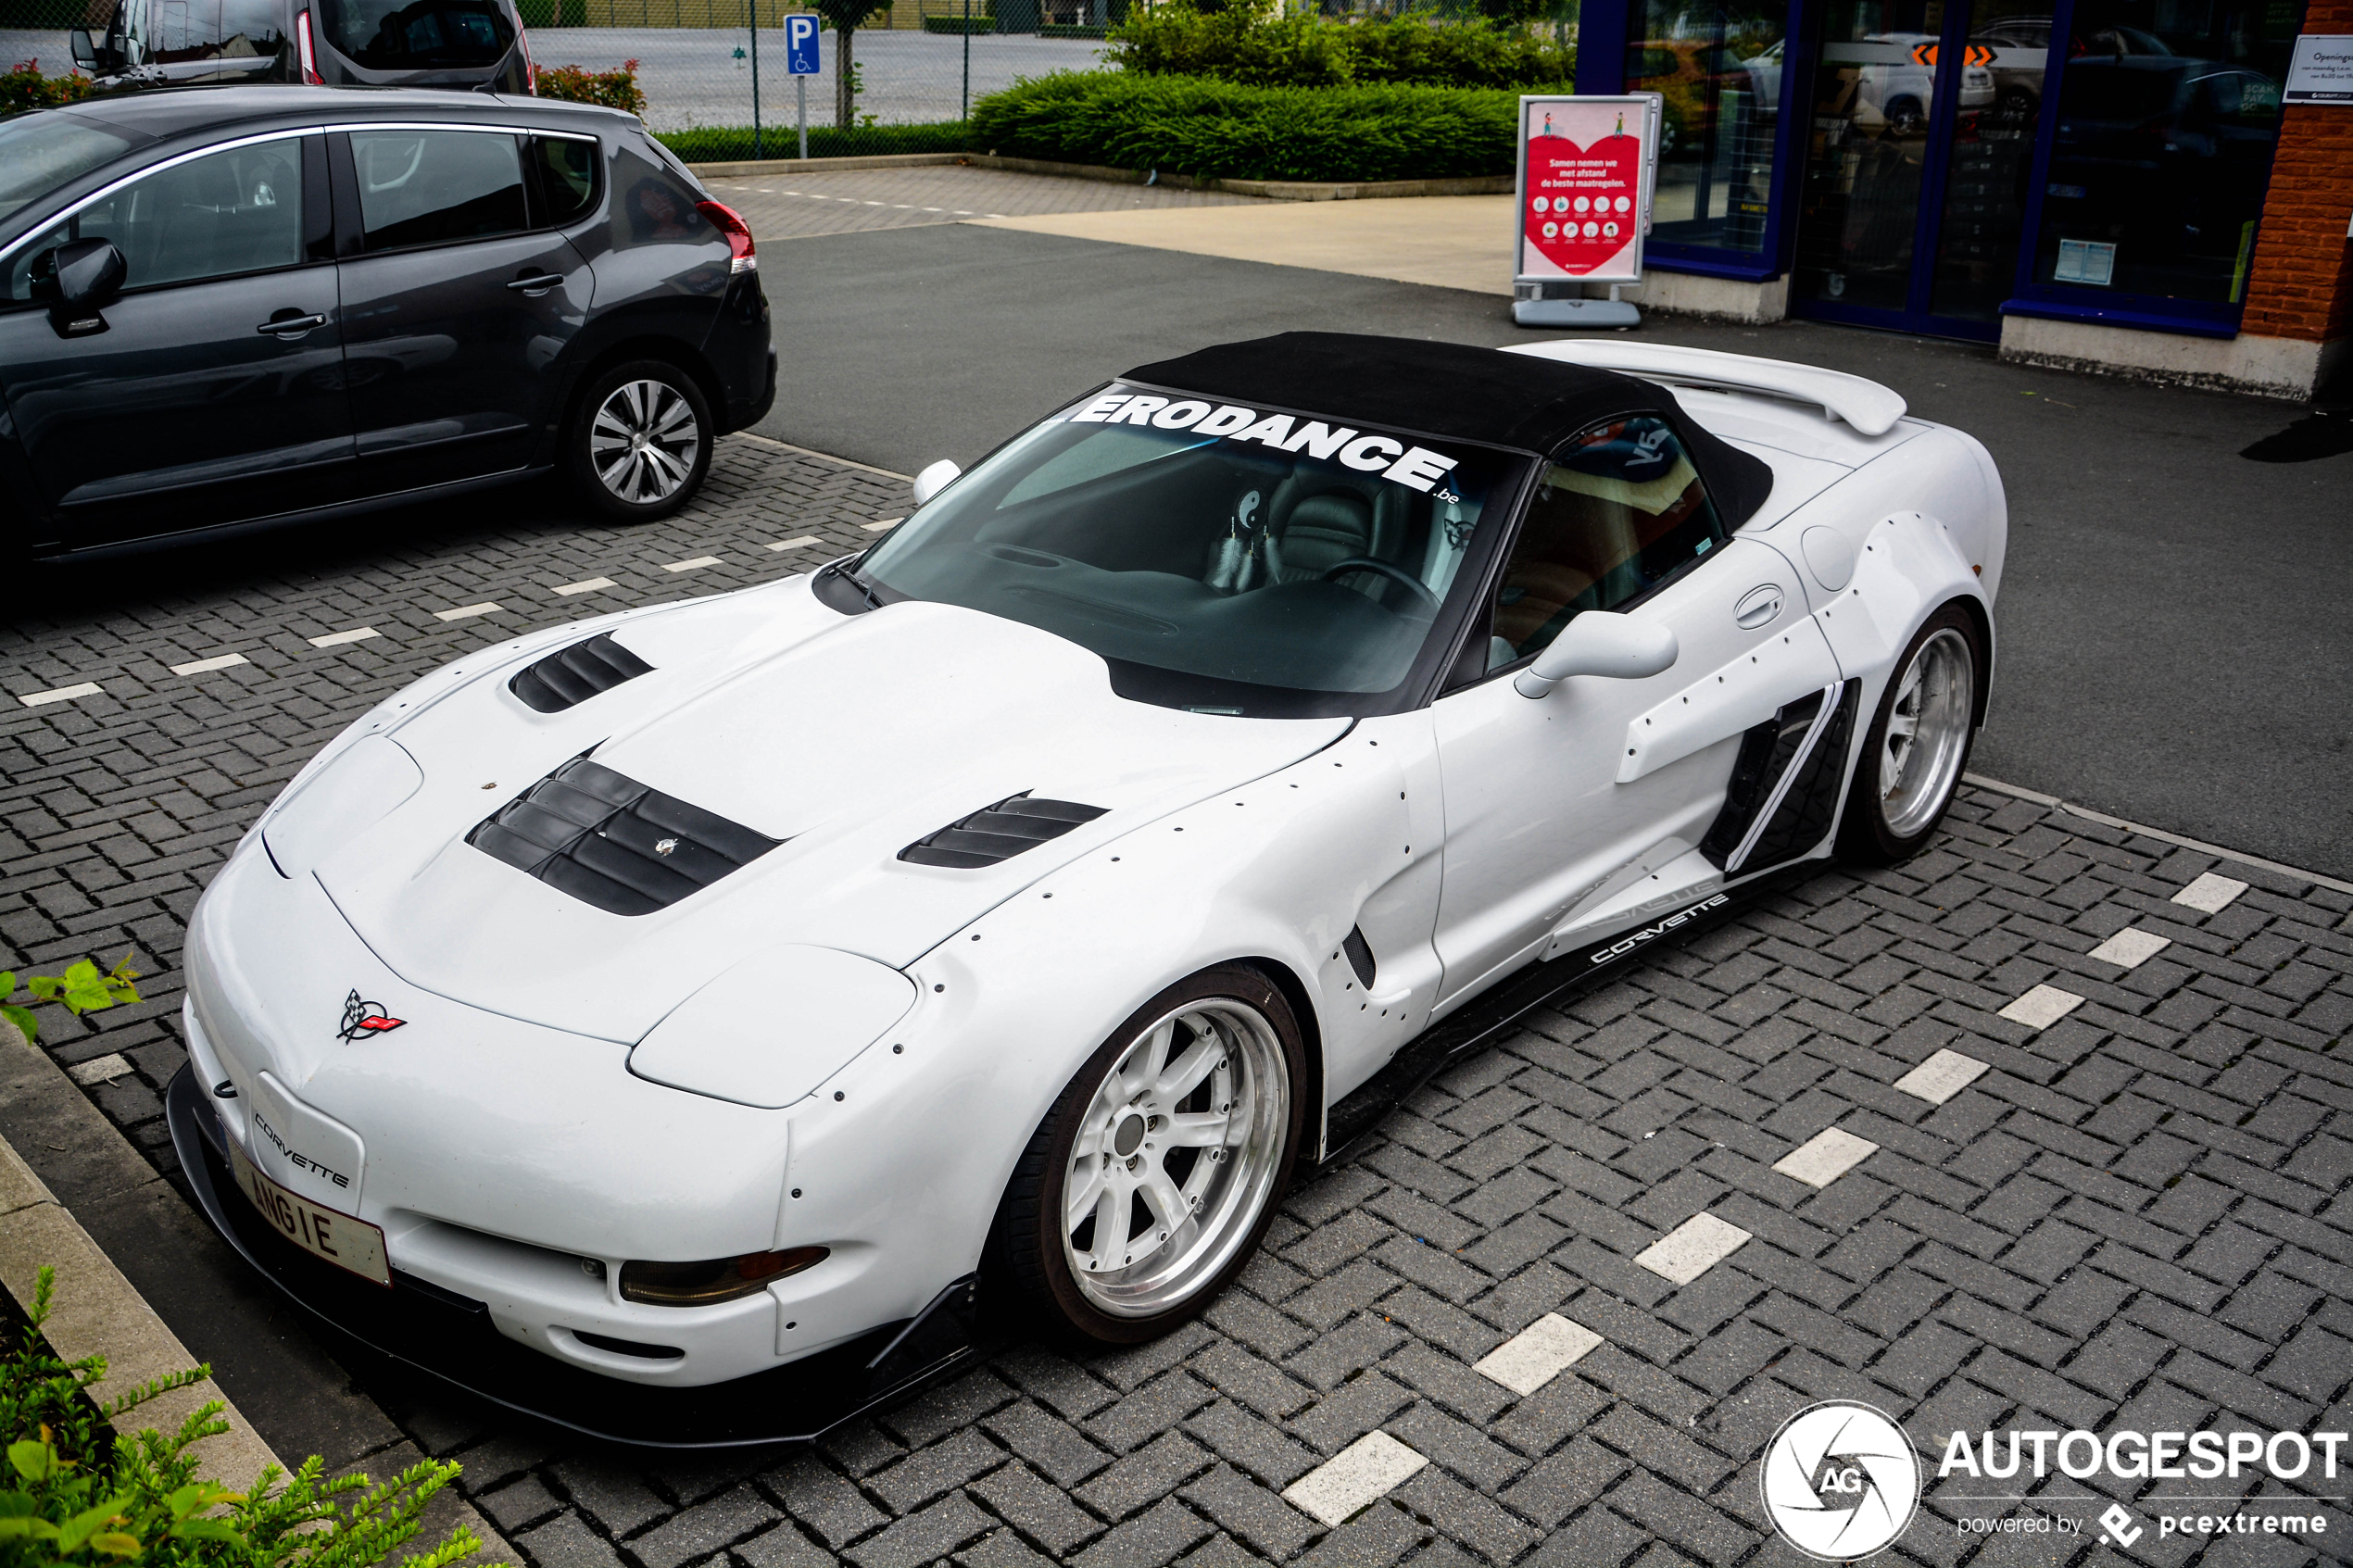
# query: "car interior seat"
(1319, 519)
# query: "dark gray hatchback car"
(226, 307)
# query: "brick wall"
(2301, 285)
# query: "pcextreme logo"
(1841, 1480)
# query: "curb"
(2073, 809)
(1273, 190)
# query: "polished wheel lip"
(1201, 1216)
(1927, 736)
(644, 441)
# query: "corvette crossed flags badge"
(365, 1018)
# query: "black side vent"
(610, 841)
(570, 676)
(1000, 833)
(1360, 955)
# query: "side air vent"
(998, 833)
(611, 842)
(1360, 955)
(571, 675)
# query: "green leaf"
(27, 1025)
(23, 1528)
(7, 984)
(16, 1505)
(83, 973)
(117, 1543)
(78, 1530)
(204, 1530)
(37, 1461)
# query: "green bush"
(613, 89)
(732, 144)
(978, 24)
(23, 87)
(1191, 125)
(1257, 48)
(75, 1495)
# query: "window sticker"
(1417, 467)
(2085, 261)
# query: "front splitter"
(453, 1340)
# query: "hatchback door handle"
(290, 326)
(540, 284)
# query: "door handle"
(290, 326)
(538, 286)
(1758, 606)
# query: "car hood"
(846, 737)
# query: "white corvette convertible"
(679, 1024)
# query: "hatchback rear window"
(424, 34)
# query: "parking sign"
(802, 32)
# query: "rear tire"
(1919, 743)
(640, 441)
(1183, 1129)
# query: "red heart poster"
(1580, 204)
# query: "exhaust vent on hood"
(571, 675)
(614, 842)
(999, 833)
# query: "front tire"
(640, 444)
(1148, 1186)
(1917, 746)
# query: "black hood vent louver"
(999, 833)
(571, 675)
(614, 842)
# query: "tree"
(843, 17)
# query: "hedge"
(1193, 125)
(732, 144)
(1259, 48)
(978, 24)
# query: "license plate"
(347, 1243)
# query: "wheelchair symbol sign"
(800, 43)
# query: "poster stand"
(1582, 207)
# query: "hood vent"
(571, 675)
(1000, 833)
(612, 841)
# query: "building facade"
(2109, 184)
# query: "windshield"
(424, 34)
(1245, 553)
(41, 152)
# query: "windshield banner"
(1401, 461)
(1586, 170)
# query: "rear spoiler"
(1871, 409)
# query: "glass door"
(1919, 155)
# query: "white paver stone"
(2130, 948)
(695, 564)
(1941, 1076)
(466, 612)
(593, 585)
(99, 1069)
(2210, 894)
(882, 522)
(336, 639)
(2041, 1006)
(1825, 1156)
(1691, 1248)
(794, 544)
(63, 694)
(1538, 1353)
(207, 666)
(1353, 1479)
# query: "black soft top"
(1452, 389)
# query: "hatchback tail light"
(308, 53)
(741, 256)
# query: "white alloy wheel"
(1178, 1154)
(644, 440)
(1928, 732)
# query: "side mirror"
(79, 275)
(934, 479)
(1600, 641)
(78, 42)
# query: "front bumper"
(451, 1337)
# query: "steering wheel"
(1394, 573)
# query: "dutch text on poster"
(2322, 71)
(1583, 188)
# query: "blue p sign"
(801, 33)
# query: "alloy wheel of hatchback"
(642, 442)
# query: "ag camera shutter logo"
(1839, 1481)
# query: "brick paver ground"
(2135, 1217)
(784, 207)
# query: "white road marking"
(1538, 1353)
(99, 1069)
(2130, 948)
(466, 612)
(934, 209)
(336, 639)
(2041, 1006)
(1353, 1479)
(2210, 894)
(207, 666)
(1825, 1156)
(1692, 1247)
(695, 564)
(63, 694)
(882, 522)
(593, 585)
(794, 544)
(1941, 1076)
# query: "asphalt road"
(2176, 645)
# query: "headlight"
(713, 1280)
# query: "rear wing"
(1870, 408)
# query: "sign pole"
(756, 152)
(800, 89)
(968, 61)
